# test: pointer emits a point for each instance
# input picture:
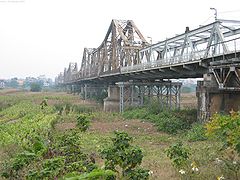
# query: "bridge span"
(132, 68)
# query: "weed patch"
(196, 133)
(171, 122)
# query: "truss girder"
(125, 50)
(227, 76)
(204, 42)
(119, 48)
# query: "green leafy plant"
(34, 148)
(51, 169)
(178, 154)
(83, 122)
(121, 154)
(16, 164)
(64, 156)
(138, 174)
(226, 128)
(196, 133)
(35, 87)
(171, 122)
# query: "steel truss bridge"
(125, 55)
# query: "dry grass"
(189, 100)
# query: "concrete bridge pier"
(213, 98)
(111, 103)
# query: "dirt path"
(130, 126)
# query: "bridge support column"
(212, 98)
(125, 94)
(69, 89)
(75, 89)
(111, 103)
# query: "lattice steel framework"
(166, 94)
(119, 48)
(68, 73)
(206, 41)
(125, 54)
(226, 75)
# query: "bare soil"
(65, 126)
(130, 126)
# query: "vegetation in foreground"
(54, 141)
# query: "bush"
(172, 122)
(35, 87)
(100, 97)
(122, 155)
(178, 154)
(197, 133)
(135, 113)
(226, 128)
(67, 108)
(83, 122)
(169, 123)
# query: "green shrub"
(100, 97)
(196, 133)
(50, 169)
(172, 122)
(65, 155)
(83, 122)
(138, 174)
(35, 87)
(226, 128)
(122, 155)
(67, 108)
(178, 154)
(135, 113)
(154, 108)
(167, 122)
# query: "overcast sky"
(42, 36)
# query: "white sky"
(43, 36)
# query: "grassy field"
(22, 118)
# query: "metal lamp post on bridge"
(215, 14)
(150, 47)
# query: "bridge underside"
(192, 69)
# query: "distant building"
(46, 84)
(2, 84)
(20, 82)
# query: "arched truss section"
(120, 48)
